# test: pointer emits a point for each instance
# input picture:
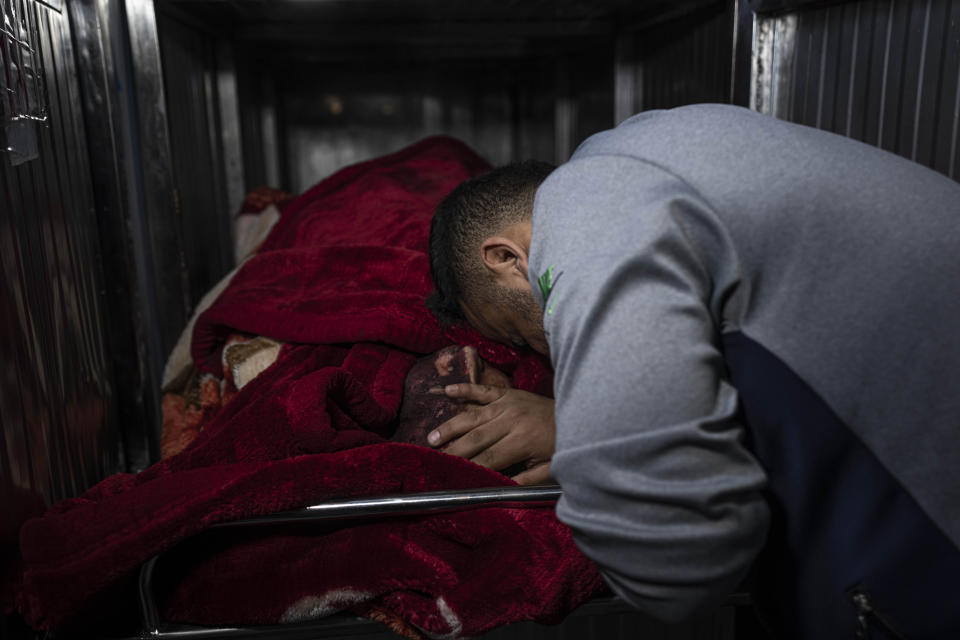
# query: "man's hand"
(509, 427)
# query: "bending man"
(754, 330)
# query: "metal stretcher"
(339, 513)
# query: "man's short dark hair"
(477, 209)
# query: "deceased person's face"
(421, 411)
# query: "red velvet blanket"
(342, 278)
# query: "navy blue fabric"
(840, 520)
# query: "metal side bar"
(333, 511)
(404, 504)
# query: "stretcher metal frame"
(343, 512)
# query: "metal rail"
(403, 504)
(333, 511)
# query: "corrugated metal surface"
(193, 110)
(886, 72)
(322, 85)
(688, 61)
(308, 120)
(56, 391)
(97, 31)
(684, 61)
(163, 281)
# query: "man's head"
(479, 242)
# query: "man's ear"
(505, 258)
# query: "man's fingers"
(456, 426)
(475, 442)
(499, 428)
(499, 455)
(471, 418)
(540, 474)
(478, 393)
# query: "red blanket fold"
(348, 260)
(343, 275)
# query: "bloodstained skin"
(421, 411)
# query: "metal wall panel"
(193, 108)
(688, 61)
(164, 281)
(97, 27)
(259, 137)
(332, 118)
(881, 71)
(311, 120)
(684, 61)
(56, 380)
(146, 279)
